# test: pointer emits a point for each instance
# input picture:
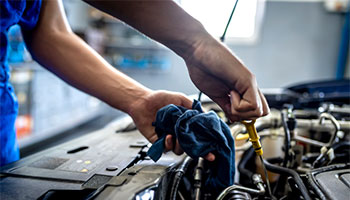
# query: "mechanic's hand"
(144, 112)
(219, 74)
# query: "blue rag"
(198, 134)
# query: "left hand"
(144, 110)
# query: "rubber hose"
(242, 164)
(286, 140)
(289, 172)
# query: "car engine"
(306, 146)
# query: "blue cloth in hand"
(198, 134)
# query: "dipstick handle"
(253, 136)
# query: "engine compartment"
(305, 140)
(306, 147)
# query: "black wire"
(222, 38)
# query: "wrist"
(187, 43)
(141, 100)
(201, 51)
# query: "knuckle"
(254, 106)
(251, 106)
(266, 112)
(251, 77)
(256, 113)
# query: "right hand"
(222, 77)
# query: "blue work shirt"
(26, 14)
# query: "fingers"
(175, 98)
(178, 150)
(265, 105)
(239, 104)
(186, 102)
(210, 157)
(249, 101)
(169, 145)
(251, 105)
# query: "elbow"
(39, 42)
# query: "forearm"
(167, 23)
(161, 20)
(213, 68)
(75, 62)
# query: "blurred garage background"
(282, 42)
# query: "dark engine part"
(311, 95)
(100, 165)
(331, 182)
(314, 93)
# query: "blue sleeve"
(30, 15)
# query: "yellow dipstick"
(253, 136)
(254, 139)
(242, 136)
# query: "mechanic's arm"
(213, 67)
(53, 44)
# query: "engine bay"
(306, 146)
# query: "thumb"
(186, 102)
(225, 104)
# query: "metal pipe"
(314, 125)
(309, 141)
(256, 179)
(198, 179)
(335, 123)
(178, 175)
(321, 124)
